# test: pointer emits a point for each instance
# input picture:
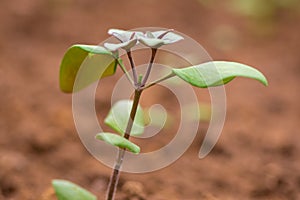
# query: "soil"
(256, 156)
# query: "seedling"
(103, 62)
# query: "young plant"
(130, 122)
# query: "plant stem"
(149, 67)
(121, 153)
(132, 68)
(114, 179)
(120, 62)
(159, 80)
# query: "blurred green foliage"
(262, 15)
(264, 9)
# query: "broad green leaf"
(66, 190)
(119, 115)
(118, 141)
(98, 62)
(217, 73)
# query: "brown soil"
(256, 156)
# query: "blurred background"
(256, 156)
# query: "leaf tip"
(118, 141)
(265, 82)
(262, 79)
(98, 136)
(55, 182)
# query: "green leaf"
(125, 45)
(118, 141)
(152, 42)
(217, 73)
(158, 117)
(158, 38)
(66, 190)
(119, 115)
(98, 63)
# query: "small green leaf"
(158, 117)
(125, 45)
(119, 115)
(158, 38)
(98, 62)
(66, 190)
(217, 73)
(151, 42)
(118, 141)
